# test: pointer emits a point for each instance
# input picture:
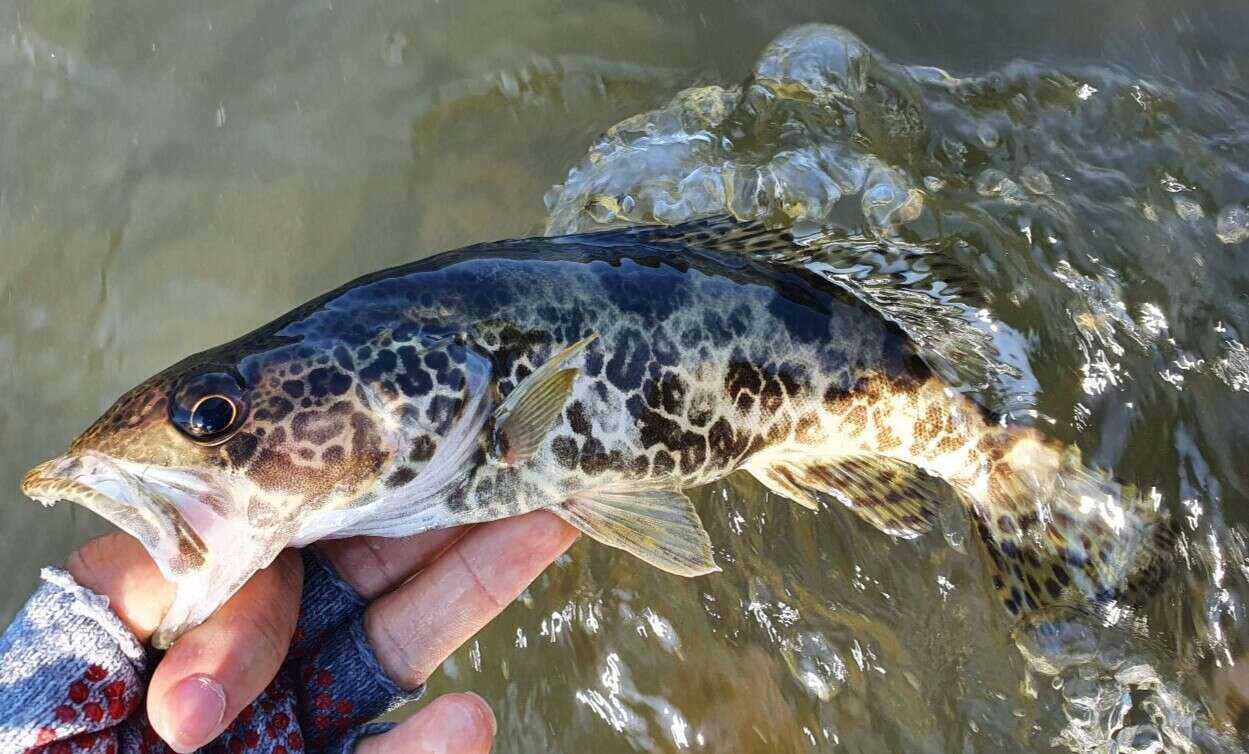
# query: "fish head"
(156, 456)
(212, 465)
(222, 460)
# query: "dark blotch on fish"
(628, 363)
(422, 449)
(384, 363)
(241, 449)
(401, 477)
(325, 381)
(578, 420)
(565, 449)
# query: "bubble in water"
(987, 135)
(1139, 674)
(395, 48)
(994, 182)
(603, 209)
(1054, 642)
(1172, 185)
(815, 665)
(713, 149)
(1232, 226)
(822, 62)
(1233, 367)
(801, 184)
(1152, 321)
(888, 200)
(1188, 209)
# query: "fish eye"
(212, 415)
(208, 408)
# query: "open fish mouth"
(185, 518)
(140, 500)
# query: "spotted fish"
(597, 376)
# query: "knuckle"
(95, 557)
(358, 562)
(272, 629)
(382, 566)
(290, 572)
(277, 590)
(498, 602)
(79, 563)
(392, 653)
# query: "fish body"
(597, 376)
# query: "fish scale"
(596, 376)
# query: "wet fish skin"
(396, 404)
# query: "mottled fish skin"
(702, 362)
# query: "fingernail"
(193, 711)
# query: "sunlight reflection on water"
(169, 185)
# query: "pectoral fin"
(658, 525)
(526, 415)
(896, 497)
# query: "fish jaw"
(103, 486)
(189, 524)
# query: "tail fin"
(1059, 534)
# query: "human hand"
(428, 594)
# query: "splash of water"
(953, 190)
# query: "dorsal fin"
(921, 288)
(722, 233)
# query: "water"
(1079, 175)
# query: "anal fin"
(657, 524)
(784, 479)
(894, 496)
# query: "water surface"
(173, 174)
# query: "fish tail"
(1057, 532)
(1061, 534)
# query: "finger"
(373, 565)
(219, 667)
(116, 566)
(413, 629)
(451, 724)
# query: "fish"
(598, 376)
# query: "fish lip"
(61, 478)
(129, 497)
(56, 479)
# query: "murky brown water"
(172, 174)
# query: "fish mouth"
(140, 500)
